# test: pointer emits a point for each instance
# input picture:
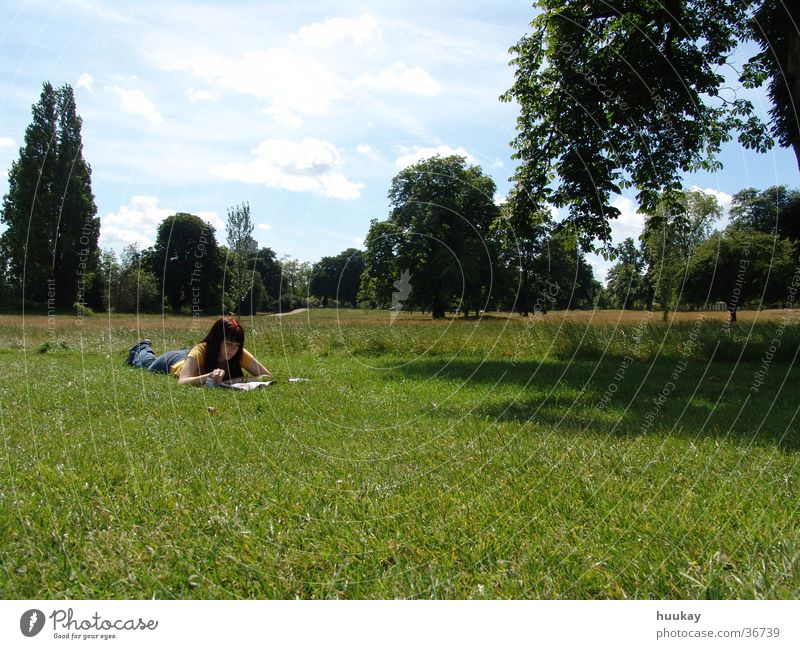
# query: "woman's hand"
(216, 376)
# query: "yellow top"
(198, 352)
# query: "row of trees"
(462, 249)
(458, 248)
(186, 270)
(609, 98)
(683, 261)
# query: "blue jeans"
(142, 355)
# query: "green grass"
(458, 459)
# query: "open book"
(252, 385)
(249, 385)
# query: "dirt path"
(280, 315)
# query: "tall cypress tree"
(51, 238)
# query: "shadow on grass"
(691, 400)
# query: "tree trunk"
(732, 310)
(526, 288)
(792, 74)
(437, 307)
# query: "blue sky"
(305, 109)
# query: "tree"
(239, 229)
(265, 263)
(565, 278)
(295, 276)
(138, 286)
(380, 270)
(52, 228)
(338, 277)
(6, 288)
(738, 266)
(774, 28)
(775, 210)
(108, 277)
(522, 230)
(185, 260)
(614, 96)
(626, 287)
(441, 212)
(669, 239)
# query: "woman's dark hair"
(224, 329)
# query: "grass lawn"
(577, 455)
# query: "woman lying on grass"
(219, 357)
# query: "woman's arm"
(257, 369)
(190, 374)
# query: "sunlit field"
(568, 455)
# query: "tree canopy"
(338, 277)
(617, 95)
(238, 277)
(185, 261)
(50, 244)
(739, 266)
(775, 210)
(438, 230)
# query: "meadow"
(580, 455)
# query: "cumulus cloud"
(401, 78)
(137, 222)
(284, 116)
(416, 154)
(198, 94)
(629, 224)
(286, 79)
(136, 102)
(6, 143)
(369, 151)
(86, 81)
(600, 266)
(311, 165)
(722, 198)
(337, 30)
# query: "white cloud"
(137, 222)
(359, 241)
(333, 31)
(212, 218)
(287, 79)
(136, 102)
(308, 166)
(722, 198)
(86, 80)
(6, 143)
(284, 116)
(600, 266)
(198, 94)
(421, 153)
(401, 78)
(264, 226)
(629, 223)
(499, 199)
(369, 151)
